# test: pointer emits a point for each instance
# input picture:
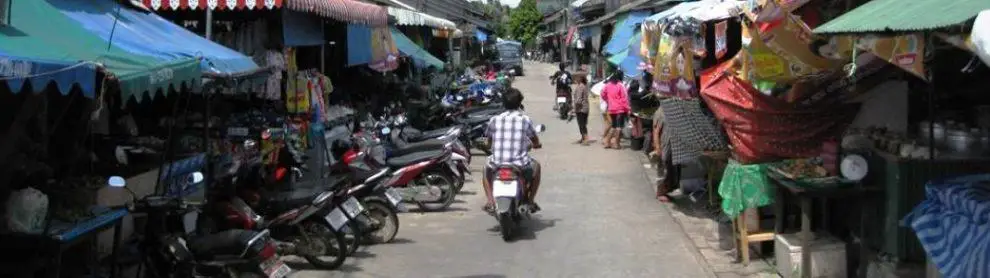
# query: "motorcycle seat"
(416, 135)
(225, 244)
(406, 160)
(282, 201)
(483, 109)
(475, 120)
(422, 146)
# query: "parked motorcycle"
(170, 248)
(295, 216)
(508, 190)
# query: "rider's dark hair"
(512, 99)
(562, 66)
(616, 77)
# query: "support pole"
(209, 23)
(323, 48)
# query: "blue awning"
(421, 57)
(481, 35)
(624, 29)
(150, 35)
(628, 60)
(301, 29)
(16, 71)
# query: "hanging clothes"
(272, 88)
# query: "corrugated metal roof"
(904, 16)
(624, 9)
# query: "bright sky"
(511, 3)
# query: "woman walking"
(615, 98)
(580, 99)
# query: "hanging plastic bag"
(598, 88)
(26, 211)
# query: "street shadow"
(397, 241)
(529, 228)
(481, 276)
(306, 266)
(695, 208)
(467, 193)
(449, 209)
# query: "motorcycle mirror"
(195, 177)
(117, 181)
(541, 128)
(249, 144)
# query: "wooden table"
(806, 195)
(60, 239)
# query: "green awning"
(420, 56)
(617, 59)
(39, 30)
(904, 16)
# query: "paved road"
(599, 219)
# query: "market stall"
(941, 153)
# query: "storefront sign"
(699, 42)
(763, 11)
(10, 68)
(760, 63)
(906, 51)
(162, 75)
(791, 39)
(721, 46)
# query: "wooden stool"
(715, 168)
(743, 238)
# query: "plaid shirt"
(509, 133)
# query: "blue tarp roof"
(624, 29)
(406, 46)
(481, 35)
(16, 71)
(148, 34)
(628, 59)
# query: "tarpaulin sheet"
(17, 71)
(371, 45)
(763, 128)
(624, 30)
(421, 57)
(151, 35)
(953, 225)
(301, 29)
(43, 30)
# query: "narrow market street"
(599, 218)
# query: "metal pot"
(939, 133)
(961, 140)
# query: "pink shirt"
(614, 95)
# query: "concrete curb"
(651, 180)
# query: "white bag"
(598, 88)
(26, 211)
(981, 36)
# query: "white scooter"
(507, 189)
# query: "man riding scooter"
(511, 134)
(562, 80)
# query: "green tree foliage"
(524, 22)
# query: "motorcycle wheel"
(352, 235)
(387, 220)
(564, 109)
(506, 225)
(447, 191)
(333, 242)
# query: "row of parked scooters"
(272, 198)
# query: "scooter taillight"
(506, 175)
(280, 173)
(350, 156)
(267, 252)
